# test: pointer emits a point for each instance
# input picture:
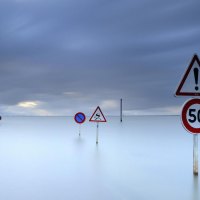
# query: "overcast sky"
(58, 57)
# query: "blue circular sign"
(80, 117)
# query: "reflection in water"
(195, 188)
(97, 154)
(79, 140)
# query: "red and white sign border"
(178, 90)
(184, 120)
(77, 120)
(104, 119)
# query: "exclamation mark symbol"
(196, 77)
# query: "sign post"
(195, 154)
(191, 122)
(79, 118)
(97, 116)
(120, 110)
(79, 130)
(97, 135)
(189, 86)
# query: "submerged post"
(121, 110)
(79, 130)
(97, 135)
(195, 154)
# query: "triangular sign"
(97, 116)
(190, 83)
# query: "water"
(43, 158)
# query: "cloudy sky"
(58, 57)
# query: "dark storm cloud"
(101, 50)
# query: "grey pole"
(121, 110)
(79, 130)
(97, 134)
(195, 154)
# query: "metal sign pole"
(97, 135)
(195, 154)
(121, 110)
(79, 130)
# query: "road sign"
(191, 116)
(190, 83)
(80, 117)
(97, 116)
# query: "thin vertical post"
(79, 130)
(195, 154)
(121, 110)
(97, 135)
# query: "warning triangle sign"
(190, 83)
(97, 116)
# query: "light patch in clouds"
(23, 111)
(28, 104)
(109, 104)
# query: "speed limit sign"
(191, 116)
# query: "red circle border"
(78, 114)
(185, 123)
